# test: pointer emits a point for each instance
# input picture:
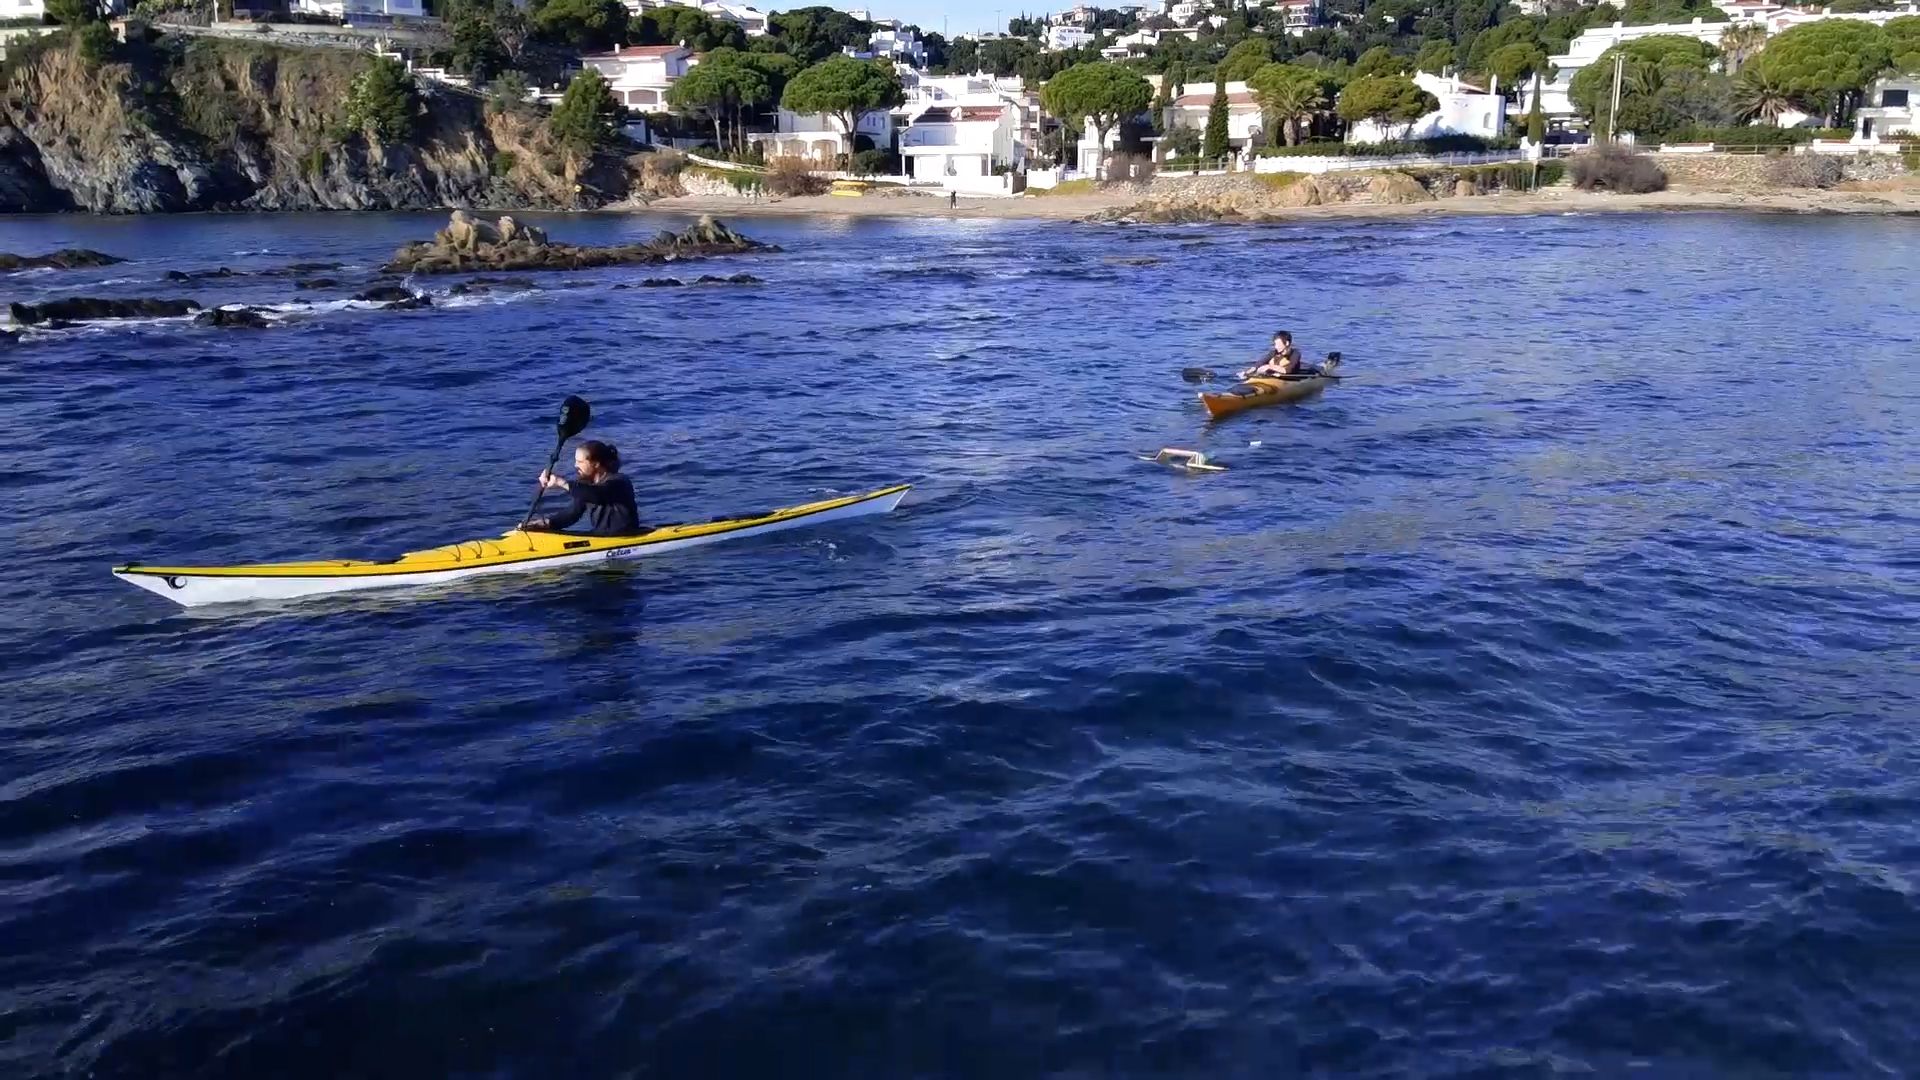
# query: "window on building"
(1893, 99)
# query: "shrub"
(587, 113)
(876, 163)
(502, 162)
(97, 43)
(314, 163)
(794, 176)
(508, 93)
(382, 101)
(1802, 171)
(1757, 135)
(1617, 169)
(1552, 172)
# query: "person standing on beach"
(953, 200)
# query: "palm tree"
(1759, 97)
(1285, 97)
(1740, 43)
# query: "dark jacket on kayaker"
(1282, 359)
(599, 493)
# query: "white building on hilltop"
(1059, 38)
(1299, 16)
(345, 10)
(1465, 109)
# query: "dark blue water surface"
(1540, 700)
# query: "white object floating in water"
(1255, 442)
(1190, 460)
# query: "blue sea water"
(1538, 701)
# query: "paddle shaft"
(552, 460)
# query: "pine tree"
(1216, 146)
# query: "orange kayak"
(1257, 391)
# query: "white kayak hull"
(514, 553)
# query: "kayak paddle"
(574, 414)
(1202, 375)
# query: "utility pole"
(1613, 112)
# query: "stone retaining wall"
(1748, 172)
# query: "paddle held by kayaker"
(1281, 359)
(599, 493)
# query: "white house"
(348, 10)
(1465, 109)
(752, 20)
(640, 75)
(1299, 16)
(958, 142)
(1891, 109)
(892, 41)
(1190, 110)
(1058, 38)
(819, 137)
(1081, 15)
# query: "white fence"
(1343, 163)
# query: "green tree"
(1379, 61)
(1287, 94)
(1824, 66)
(588, 25)
(1177, 75)
(73, 12)
(813, 34)
(1434, 57)
(1162, 102)
(1512, 32)
(1903, 37)
(720, 85)
(382, 101)
(1513, 63)
(1592, 89)
(845, 89)
(1385, 100)
(508, 93)
(678, 24)
(1651, 12)
(1536, 120)
(1099, 93)
(1858, 7)
(1216, 145)
(477, 51)
(587, 115)
(1244, 59)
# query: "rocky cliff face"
(200, 124)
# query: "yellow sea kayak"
(1255, 392)
(514, 552)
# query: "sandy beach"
(1895, 200)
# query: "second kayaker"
(599, 493)
(1282, 359)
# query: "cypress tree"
(1215, 146)
(1536, 123)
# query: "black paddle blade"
(574, 414)
(1197, 374)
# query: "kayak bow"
(1257, 391)
(515, 552)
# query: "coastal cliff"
(178, 124)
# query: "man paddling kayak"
(599, 493)
(1283, 359)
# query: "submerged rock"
(482, 286)
(661, 282)
(305, 268)
(241, 317)
(734, 279)
(411, 303)
(470, 243)
(182, 275)
(382, 294)
(85, 308)
(317, 283)
(64, 259)
(1134, 260)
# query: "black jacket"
(607, 506)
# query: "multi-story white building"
(640, 75)
(819, 138)
(892, 41)
(348, 10)
(1082, 15)
(1299, 16)
(962, 141)
(1190, 110)
(1892, 108)
(1065, 37)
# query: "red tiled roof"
(638, 52)
(1188, 100)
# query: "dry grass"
(1279, 180)
(787, 176)
(1070, 187)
